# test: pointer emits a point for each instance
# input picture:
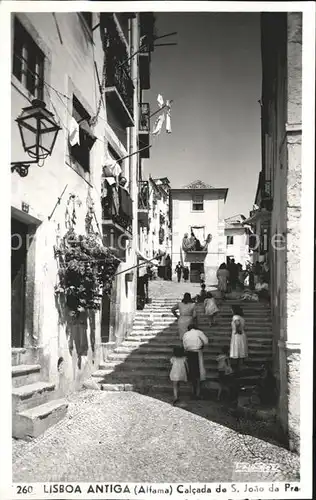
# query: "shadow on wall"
(76, 329)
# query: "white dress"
(238, 343)
(210, 307)
(178, 371)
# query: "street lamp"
(38, 131)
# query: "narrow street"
(127, 436)
(124, 436)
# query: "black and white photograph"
(160, 201)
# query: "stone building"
(79, 66)
(197, 214)
(277, 220)
(237, 239)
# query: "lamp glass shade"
(38, 130)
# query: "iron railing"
(117, 213)
(144, 117)
(143, 195)
(117, 66)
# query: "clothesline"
(58, 93)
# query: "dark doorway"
(196, 268)
(105, 318)
(19, 233)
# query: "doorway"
(19, 233)
(196, 268)
(105, 318)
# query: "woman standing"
(238, 343)
(187, 313)
(223, 278)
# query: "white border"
(307, 240)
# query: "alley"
(125, 436)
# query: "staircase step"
(167, 352)
(25, 374)
(164, 364)
(211, 333)
(34, 421)
(138, 381)
(28, 396)
(167, 349)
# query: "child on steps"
(211, 309)
(178, 371)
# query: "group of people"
(232, 275)
(187, 361)
(182, 271)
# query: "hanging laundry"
(111, 168)
(74, 136)
(158, 124)
(168, 118)
(160, 100)
(110, 180)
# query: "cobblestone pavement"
(125, 436)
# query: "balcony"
(266, 196)
(147, 22)
(143, 203)
(117, 215)
(144, 69)
(119, 86)
(144, 129)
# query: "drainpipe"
(134, 142)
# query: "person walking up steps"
(223, 277)
(193, 342)
(225, 372)
(178, 270)
(187, 313)
(238, 343)
(211, 309)
(178, 371)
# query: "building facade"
(198, 209)
(277, 220)
(237, 240)
(80, 66)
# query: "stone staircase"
(142, 361)
(36, 405)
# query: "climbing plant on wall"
(85, 269)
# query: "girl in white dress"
(178, 371)
(210, 308)
(238, 343)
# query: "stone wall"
(69, 68)
(282, 164)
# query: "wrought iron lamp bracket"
(22, 167)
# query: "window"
(198, 203)
(229, 240)
(88, 18)
(28, 61)
(81, 152)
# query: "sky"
(213, 77)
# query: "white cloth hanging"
(110, 180)
(158, 124)
(111, 168)
(160, 100)
(199, 233)
(74, 137)
(168, 118)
